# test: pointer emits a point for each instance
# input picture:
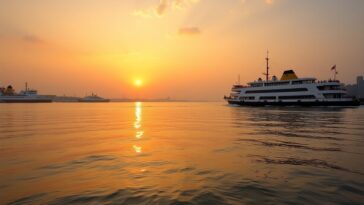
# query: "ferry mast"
(267, 72)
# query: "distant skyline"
(184, 49)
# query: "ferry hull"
(302, 103)
(26, 101)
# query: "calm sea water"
(180, 153)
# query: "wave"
(304, 162)
(291, 145)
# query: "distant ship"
(290, 90)
(8, 95)
(93, 98)
(66, 99)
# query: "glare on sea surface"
(137, 125)
(137, 148)
(239, 155)
(139, 134)
(138, 115)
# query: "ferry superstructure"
(290, 90)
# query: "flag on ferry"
(333, 67)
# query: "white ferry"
(93, 98)
(290, 90)
(8, 95)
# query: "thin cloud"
(145, 13)
(189, 31)
(32, 39)
(162, 8)
(268, 2)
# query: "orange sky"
(185, 49)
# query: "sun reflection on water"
(138, 115)
(137, 149)
(138, 125)
(139, 134)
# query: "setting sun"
(138, 82)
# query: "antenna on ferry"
(239, 79)
(267, 73)
(26, 86)
(335, 71)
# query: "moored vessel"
(93, 98)
(8, 95)
(290, 90)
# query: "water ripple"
(305, 162)
(291, 145)
(180, 153)
(28, 199)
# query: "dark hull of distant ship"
(26, 100)
(94, 101)
(348, 103)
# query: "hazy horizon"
(184, 49)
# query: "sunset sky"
(185, 49)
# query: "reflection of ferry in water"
(93, 98)
(290, 91)
(8, 95)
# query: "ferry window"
(321, 87)
(268, 98)
(333, 95)
(277, 90)
(328, 87)
(276, 83)
(297, 97)
(257, 84)
(296, 82)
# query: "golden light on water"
(138, 126)
(138, 115)
(137, 149)
(139, 134)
